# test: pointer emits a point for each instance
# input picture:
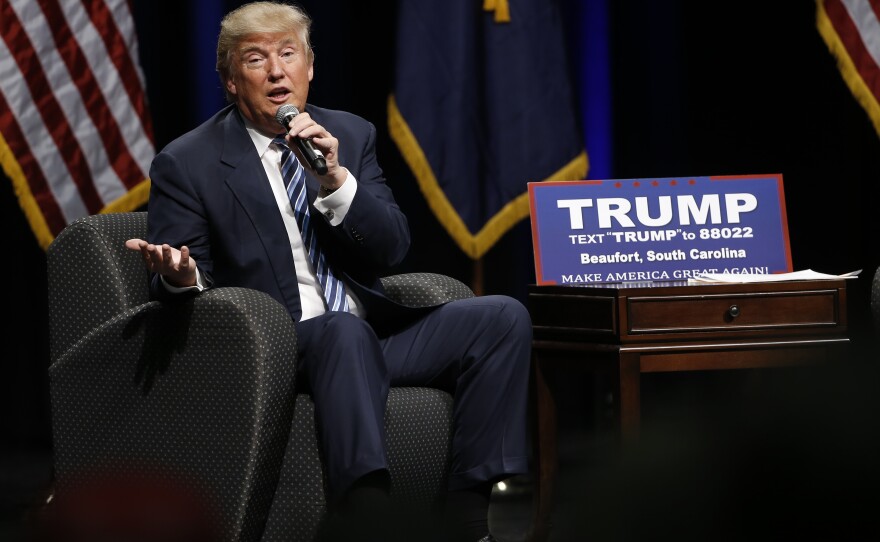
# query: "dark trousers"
(478, 348)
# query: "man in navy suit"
(219, 215)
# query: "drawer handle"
(733, 311)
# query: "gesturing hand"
(175, 265)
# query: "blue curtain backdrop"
(206, 16)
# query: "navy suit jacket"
(210, 192)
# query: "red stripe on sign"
(36, 181)
(119, 157)
(50, 110)
(851, 39)
(120, 56)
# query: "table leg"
(545, 454)
(628, 387)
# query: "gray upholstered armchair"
(204, 391)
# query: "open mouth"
(279, 95)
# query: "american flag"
(75, 132)
(851, 29)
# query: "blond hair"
(259, 18)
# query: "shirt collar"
(261, 142)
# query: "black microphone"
(315, 157)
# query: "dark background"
(696, 88)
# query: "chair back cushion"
(98, 279)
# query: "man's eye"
(254, 62)
(288, 56)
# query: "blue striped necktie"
(295, 180)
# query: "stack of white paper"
(807, 274)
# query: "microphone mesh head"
(285, 113)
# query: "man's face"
(269, 70)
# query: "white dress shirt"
(334, 205)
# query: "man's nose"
(273, 66)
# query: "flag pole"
(477, 278)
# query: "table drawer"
(779, 312)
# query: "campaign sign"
(664, 229)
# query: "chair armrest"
(201, 392)
(424, 289)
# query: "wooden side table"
(634, 328)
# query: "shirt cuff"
(335, 206)
(199, 286)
